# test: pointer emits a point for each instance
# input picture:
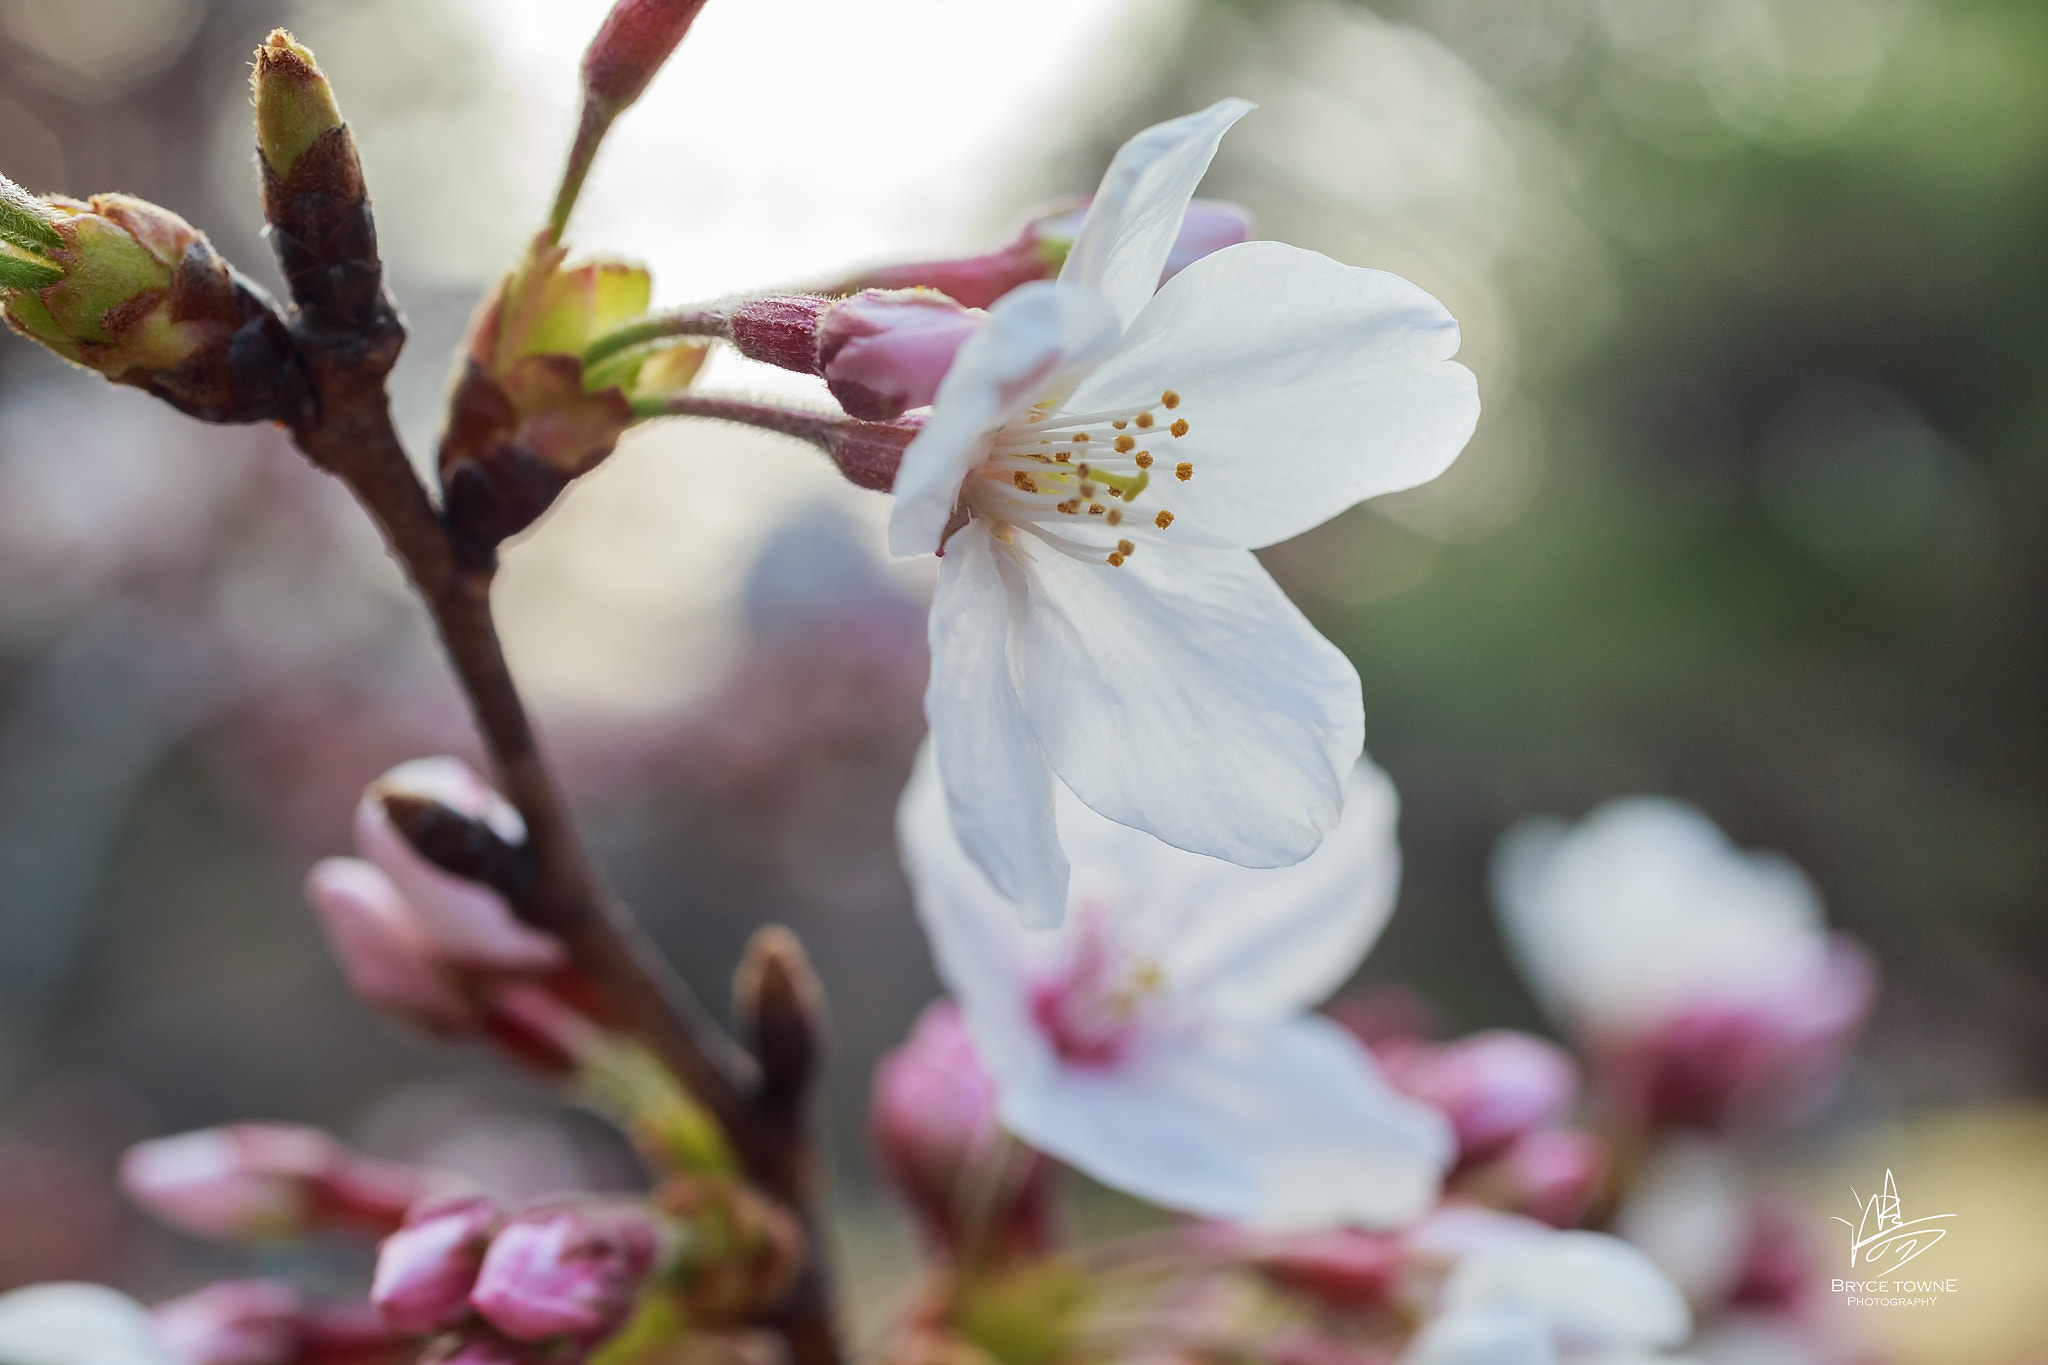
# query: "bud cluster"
(124, 287)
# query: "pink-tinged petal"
(1136, 215)
(249, 1181)
(1183, 694)
(426, 1269)
(238, 1322)
(1036, 341)
(390, 960)
(1306, 386)
(932, 1116)
(572, 1271)
(1209, 226)
(471, 922)
(999, 791)
(1494, 1086)
(1283, 1125)
(883, 352)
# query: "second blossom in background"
(1161, 1041)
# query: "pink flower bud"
(1344, 1270)
(258, 1180)
(426, 1269)
(637, 37)
(391, 961)
(1550, 1174)
(884, 351)
(932, 1114)
(1041, 249)
(570, 1271)
(242, 1322)
(269, 1322)
(780, 330)
(1494, 1087)
(1713, 1065)
(471, 922)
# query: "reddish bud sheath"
(637, 37)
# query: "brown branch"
(348, 333)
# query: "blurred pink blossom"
(569, 1271)
(426, 1269)
(259, 1180)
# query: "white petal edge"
(1183, 694)
(1308, 386)
(1036, 339)
(1136, 214)
(1595, 1292)
(1482, 1337)
(1245, 944)
(999, 789)
(1283, 1125)
(77, 1324)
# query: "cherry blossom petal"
(1036, 339)
(1496, 1337)
(998, 786)
(1251, 944)
(1594, 1292)
(77, 1324)
(1279, 1125)
(1185, 695)
(1306, 385)
(1136, 215)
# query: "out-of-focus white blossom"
(1159, 1040)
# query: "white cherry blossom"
(1160, 1041)
(77, 1324)
(1099, 463)
(1554, 1298)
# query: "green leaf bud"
(25, 219)
(295, 105)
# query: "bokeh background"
(1757, 291)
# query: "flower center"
(1090, 1010)
(1070, 479)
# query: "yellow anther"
(1024, 481)
(1119, 424)
(1069, 507)
(1124, 547)
(1116, 517)
(1124, 444)
(1087, 490)
(1063, 458)
(1184, 471)
(1081, 438)
(1082, 469)
(1179, 427)
(1144, 420)
(1163, 520)
(1170, 399)
(1144, 459)
(1096, 509)
(1115, 492)
(1116, 561)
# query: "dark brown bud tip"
(780, 1010)
(637, 37)
(461, 844)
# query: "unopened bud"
(318, 207)
(882, 352)
(1040, 250)
(1551, 1175)
(139, 295)
(251, 1181)
(570, 1271)
(1345, 1270)
(781, 329)
(1493, 1086)
(270, 1322)
(780, 1009)
(426, 1269)
(294, 103)
(637, 37)
(974, 1190)
(739, 1252)
(472, 923)
(385, 951)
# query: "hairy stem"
(696, 322)
(596, 122)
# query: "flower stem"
(701, 322)
(590, 131)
